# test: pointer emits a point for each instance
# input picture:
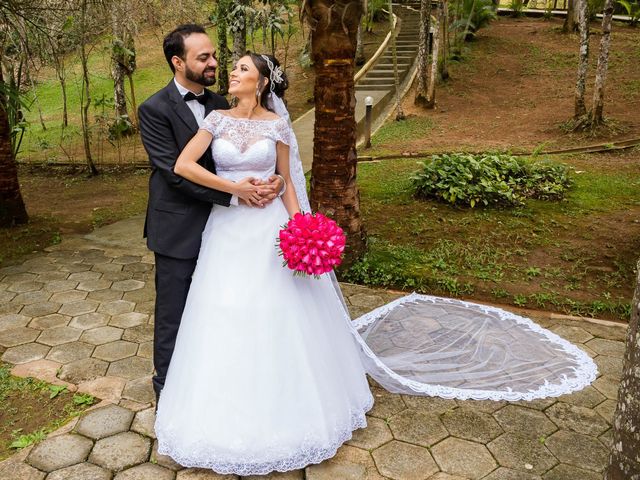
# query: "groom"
(178, 209)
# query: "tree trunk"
(334, 190)
(423, 53)
(12, 210)
(60, 72)
(624, 458)
(570, 25)
(580, 107)
(431, 89)
(85, 94)
(396, 74)
(223, 47)
(240, 33)
(119, 95)
(360, 58)
(444, 65)
(134, 103)
(597, 117)
(119, 58)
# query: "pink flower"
(311, 244)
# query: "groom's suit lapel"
(180, 107)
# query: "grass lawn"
(575, 256)
(30, 409)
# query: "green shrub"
(468, 180)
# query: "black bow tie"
(192, 96)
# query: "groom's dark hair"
(173, 44)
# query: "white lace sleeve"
(211, 123)
(282, 131)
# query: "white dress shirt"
(198, 112)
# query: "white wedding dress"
(266, 373)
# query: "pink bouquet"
(311, 244)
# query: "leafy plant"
(83, 399)
(632, 9)
(23, 441)
(468, 180)
(56, 390)
(473, 15)
(517, 8)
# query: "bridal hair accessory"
(275, 72)
(311, 244)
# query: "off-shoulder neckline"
(249, 119)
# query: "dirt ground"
(514, 89)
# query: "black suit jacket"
(178, 209)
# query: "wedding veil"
(425, 345)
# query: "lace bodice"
(245, 147)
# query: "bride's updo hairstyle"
(269, 67)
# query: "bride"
(266, 373)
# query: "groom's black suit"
(176, 213)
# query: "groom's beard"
(200, 78)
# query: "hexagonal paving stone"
(106, 295)
(486, 406)
(13, 320)
(15, 470)
(104, 422)
(93, 285)
(121, 451)
(84, 276)
(90, 320)
(29, 298)
(70, 352)
(128, 320)
(146, 307)
(578, 419)
(115, 350)
(131, 368)
(291, 475)
(462, 457)
(607, 385)
(127, 259)
(375, 434)
(69, 296)
(56, 286)
(50, 321)
(471, 425)
(22, 287)
(565, 472)
(606, 409)
(587, 397)
(401, 461)
(18, 336)
(418, 427)
(10, 308)
(145, 294)
(106, 267)
(386, 404)
(6, 297)
(144, 421)
(525, 421)
(139, 390)
(25, 353)
(445, 476)
(203, 474)
(573, 334)
(127, 285)
(82, 471)
(429, 404)
(139, 334)
(41, 309)
(146, 471)
(579, 450)
(538, 404)
(100, 335)
(60, 451)
(83, 370)
(518, 451)
(107, 388)
(608, 365)
(503, 473)
(606, 347)
(59, 335)
(78, 308)
(145, 350)
(117, 276)
(117, 307)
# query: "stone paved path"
(81, 315)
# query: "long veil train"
(425, 345)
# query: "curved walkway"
(80, 314)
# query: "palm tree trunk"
(431, 89)
(334, 190)
(423, 53)
(597, 117)
(12, 210)
(624, 458)
(580, 107)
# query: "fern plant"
(632, 9)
